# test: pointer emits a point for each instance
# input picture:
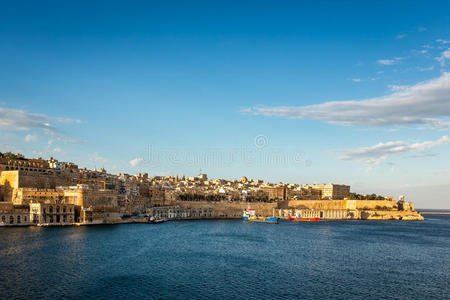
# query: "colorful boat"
(249, 215)
(298, 217)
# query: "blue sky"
(291, 91)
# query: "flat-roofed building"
(52, 214)
(14, 215)
(276, 192)
(331, 191)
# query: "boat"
(249, 215)
(298, 217)
(156, 220)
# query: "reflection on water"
(224, 259)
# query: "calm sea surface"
(229, 259)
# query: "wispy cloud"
(374, 155)
(401, 36)
(425, 69)
(96, 158)
(443, 41)
(356, 79)
(426, 103)
(136, 162)
(31, 138)
(444, 56)
(20, 120)
(386, 62)
(390, 62)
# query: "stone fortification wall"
(229, 210)
(375, 204)
(390, 215)
(323, 204)
(344, 204)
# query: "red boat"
(298, 217)
(303, 219)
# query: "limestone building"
(13, 214)
(330, 191)
(52, 214)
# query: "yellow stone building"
(52, 214)
(330, 191)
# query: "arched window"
(25, 218)
(57, 209)
(3, 219)
(51, 209)
(18, 219)
(11, 219)
(64, 209)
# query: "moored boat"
(298, 217)
(249, 215)
(155, 220)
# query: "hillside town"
(35, 191)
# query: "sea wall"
(322, 204)
(343, 204)
(229, 209)
(375, 204)
(390, 215)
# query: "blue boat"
(249, 215)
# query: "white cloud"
(442, 41)
(356, 80)
(390, 62)
(421, 29)
(401, 36)
(20, 120)
(136, 162)
(96, 158)
(386, 62)
(374, 155)
(57, 150)
(425, 69)
(425, 103)
(444, 56)
(31, 138)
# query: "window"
(25, 218)
(18, 219)
(64, 209)
(51, 209)
(11, 219)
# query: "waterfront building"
(177, 212)
(15, 215)
(52, 214)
